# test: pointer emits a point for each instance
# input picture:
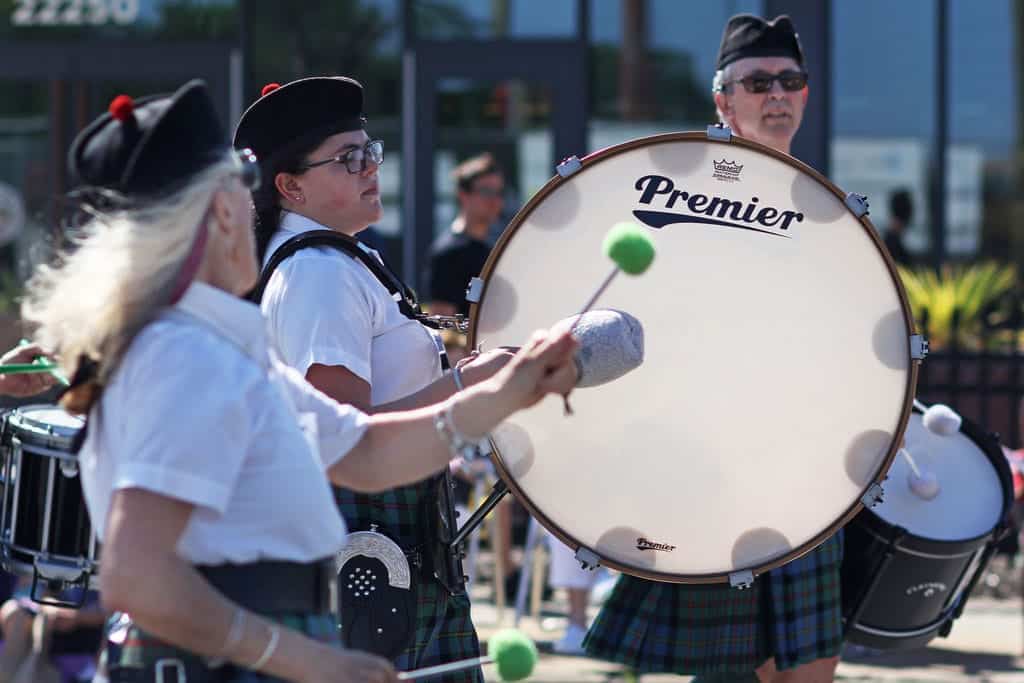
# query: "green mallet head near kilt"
(629, 246)
(514, 654)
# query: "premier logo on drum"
(643, 544)
(709, 209)
(728, 171)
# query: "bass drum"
(730, 451)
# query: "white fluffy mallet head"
(924, 485)
(611, 344)
(942, 420)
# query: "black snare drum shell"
(914, 596)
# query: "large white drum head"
(777, 369)
(970, 499)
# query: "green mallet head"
(514, 654)
(629, 246)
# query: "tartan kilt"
(129, 652)
(444, 633)
(792, 613)
(444, 628)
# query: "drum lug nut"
(857, 203)
(918, 347)
(741, 580)
(569, 166)
(475, 290)
(719, 131)
(873, 496)
(588, 559)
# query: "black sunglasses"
(248, 168)
(355, 160)
(759, 82)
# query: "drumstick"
(38, 365)
(512, 651)
(632, 251)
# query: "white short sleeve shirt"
(323, 306)
(201, 410)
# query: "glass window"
(982, 178)
(478, 19)
(883, 107)
(109, 19)
(652, 63)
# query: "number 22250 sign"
(74, 12)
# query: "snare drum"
(910, 562)
(780, 359)
(44, 525)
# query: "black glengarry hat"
(746, 35)
(149, 146)
(288, 117)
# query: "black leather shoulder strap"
(403, 295)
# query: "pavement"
(986, 645)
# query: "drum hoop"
(590, 161)
(22, 425)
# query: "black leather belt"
(274, 587)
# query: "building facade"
(921, 95)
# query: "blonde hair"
(114, 280)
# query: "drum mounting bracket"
(475, 290)
(569, 166)
(587, 558)
(719, 131)
(873, 496)
(857, 203)
(918, 347)
(741, 580)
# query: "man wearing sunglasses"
(787, 627)
(760, 86)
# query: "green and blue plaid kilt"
(444, 628)
(793, 614)
(129, 651)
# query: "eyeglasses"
(355, 160)
(488, 192)
(248, 168)
(759, 82)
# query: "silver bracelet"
(460, 444)
(275, 635)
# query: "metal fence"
(983, 381)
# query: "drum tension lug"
(873, 496)
(741, 580)
(719, 131)
(569, 166)
(857, 203)
(587, 558)
(918, 347)
(475, 290)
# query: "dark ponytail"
(266, 200)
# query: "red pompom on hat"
(269, 88)
(121, 107)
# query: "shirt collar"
(297, 224)
(237, 320)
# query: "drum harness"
(441, 552)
